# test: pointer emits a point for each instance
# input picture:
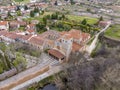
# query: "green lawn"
(39, 17)
(113, 32)
(21, 1)
(70, 17)
(80, 18)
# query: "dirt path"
(23, 79)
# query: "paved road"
(45, 61)
(24, 85)
(94, 42)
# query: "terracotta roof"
(50, 42)
(31, 25)
(11, 35)
(3, 22)
(85, 35)
(36, 40)
(63, 32)
(30, 31)
(75, 47)
(51, 33)
(13, 23)
(25, 37)
(22, 23)
(3, 32)
(56, 53)
(75, 34)
(103, 23)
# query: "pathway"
(94, 42)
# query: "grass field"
(40, 17)
(113, 32)
(21, 1)
(70, 17)
(80, 18)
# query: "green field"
(70, 17)
(39, 17)
(113, 32)
(80, 18)
(21, 1)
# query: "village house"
(14, 25)
(11, 8)
(33, 1)
(35, 21)
(30, 31)
(22, 23)
(3, 15)
(103, 23)
(60, 44)
(36, 42)
(10, 37)
(57, 55)
(2, 33)
(50, 37)
(31, 27)
(71, 41)
(4, 25)
(25, 38)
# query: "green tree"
(41, 27)
(72, 2)
(19, 13)
(63, 16)
(101, 18)
(25, 7)
(54, 16)
(32, 13)
(20, 60)
(48, 17)
(84, 22)
(42, 12)
(36, 10)
(45, 20)
(88, 10)
(9, 14)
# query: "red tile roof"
(56, 53)
(25, 37)
(76, 47)
(30, 31)
(3, 32)
(12, 35)
(75, 34)
(3, 22)
(36, 40)
(103, 23)
(51, 33)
